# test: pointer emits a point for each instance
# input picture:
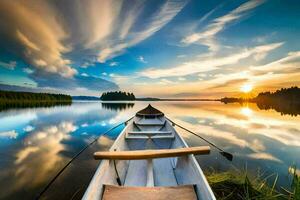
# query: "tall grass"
(234, 185)
(295, 186)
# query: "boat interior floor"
(157, 173)
(183, 192)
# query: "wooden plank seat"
(148, 122)
(152, 133)
(182, 192)
(147, 154)
(152, 137)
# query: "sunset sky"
(174, 49)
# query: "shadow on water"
(32, 104)
(117, 106)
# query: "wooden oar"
(150, 154)
(227, 155)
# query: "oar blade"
(227, 155)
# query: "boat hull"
(158, 172)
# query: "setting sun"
(246, 88)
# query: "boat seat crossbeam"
(149, 137)
(150, 133)
(150, 122)
(148, 154)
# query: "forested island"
(12, 99)
(285, 100)
(117, 96)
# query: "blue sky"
(175, 48)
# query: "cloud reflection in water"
(47, 138)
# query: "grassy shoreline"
(232, 185)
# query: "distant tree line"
(284, 94)
(232, 100)
(11, 99)
(10, 96)
(285, 100)
(291, 95)
(117, 96)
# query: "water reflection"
(12, 105)
(262, 139)
(41, 153)
(246, 111)
(117, 106)
(36, 143)
(285, 108)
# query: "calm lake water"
(36, 143)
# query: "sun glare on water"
(246, 88)
(246, 111)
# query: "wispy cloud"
(158, 20)
(121, 79)
(290, 62)
(207, 36)
(99, 17)
(282, 72)
(84, 80)
(181, 56)
(84, 74)
(10, 65)
(9, 134)
(28, 128)
(27, 70)
(165, 82)
(209, 64)
(38, 35)
(142, 59)
(112, 64)
(130, 18)
(104, 29)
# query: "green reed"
(237, 185)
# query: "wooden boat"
(149, 160)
